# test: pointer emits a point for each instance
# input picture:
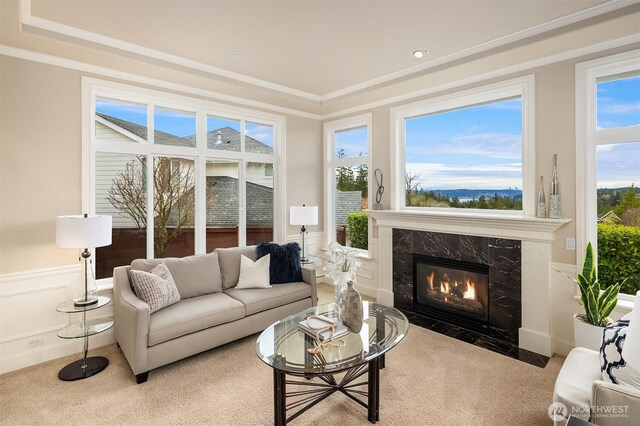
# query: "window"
(467, 150)
(173, 189)
(608, 149)
(347, 147)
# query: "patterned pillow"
(156, 288)
(613, 366)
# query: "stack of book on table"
(311, 327)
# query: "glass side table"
(87, 366)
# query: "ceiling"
(314, 49)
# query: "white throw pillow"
(254, 274)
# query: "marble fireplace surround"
(502, 256)
(535, 236)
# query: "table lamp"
(631, 348)
(303, 215)
(83, 232)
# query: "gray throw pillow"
(194, 275)
(156, 288)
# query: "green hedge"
(358, 230)
(619, 256)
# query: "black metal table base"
(75, 370)
(298, 401)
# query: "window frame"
(589, 137)
(330, 165)
(93, 88)
(523, 87)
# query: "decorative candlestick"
(542, 207)
(554, 196)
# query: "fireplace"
(451, 290)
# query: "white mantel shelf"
(484, 225)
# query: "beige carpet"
(430, 379)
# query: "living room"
(499, 137)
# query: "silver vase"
(555, 211)
(351, 308)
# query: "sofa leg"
(142, 377)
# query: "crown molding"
(41, 25)
(524, 66)
(147, 81)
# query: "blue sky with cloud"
(618, 106)
(472, 148)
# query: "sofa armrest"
(309, 277)
(131, 321)
(614, 404)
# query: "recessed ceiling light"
(419, 54)
(237, 57)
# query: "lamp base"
(74, 371)
(85, 301)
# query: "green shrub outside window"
(619, 256)
(358, 223)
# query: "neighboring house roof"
(347, 202)
(610, 217)
(223, 210)
(230, 137)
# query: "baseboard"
(51, 352)
(535, 341)
(562, 347)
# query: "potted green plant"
(597, 303)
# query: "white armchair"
(580, 388)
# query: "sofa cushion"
(156, 288)
(573, 385)
(191, 315)
(285, 262)
(193, 275)
(260, 299)
(230, 263)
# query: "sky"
(618, 106)
(479, 147)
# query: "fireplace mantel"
(484, 225)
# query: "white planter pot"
(586, 335)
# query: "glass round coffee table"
(285, 348)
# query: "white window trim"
(521, 86)
(588, 138)
(331, 162)
(92, 88)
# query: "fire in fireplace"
(451, 290)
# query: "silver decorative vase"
(542, 208)
(351, 309)
(554, 197)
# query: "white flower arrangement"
(341, 259)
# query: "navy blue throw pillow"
(284, 266)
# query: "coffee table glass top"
(284, 346)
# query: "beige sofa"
(208, 314)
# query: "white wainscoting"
(28, 302)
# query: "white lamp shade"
(631, 349)
(303, 215)
(83, 232)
